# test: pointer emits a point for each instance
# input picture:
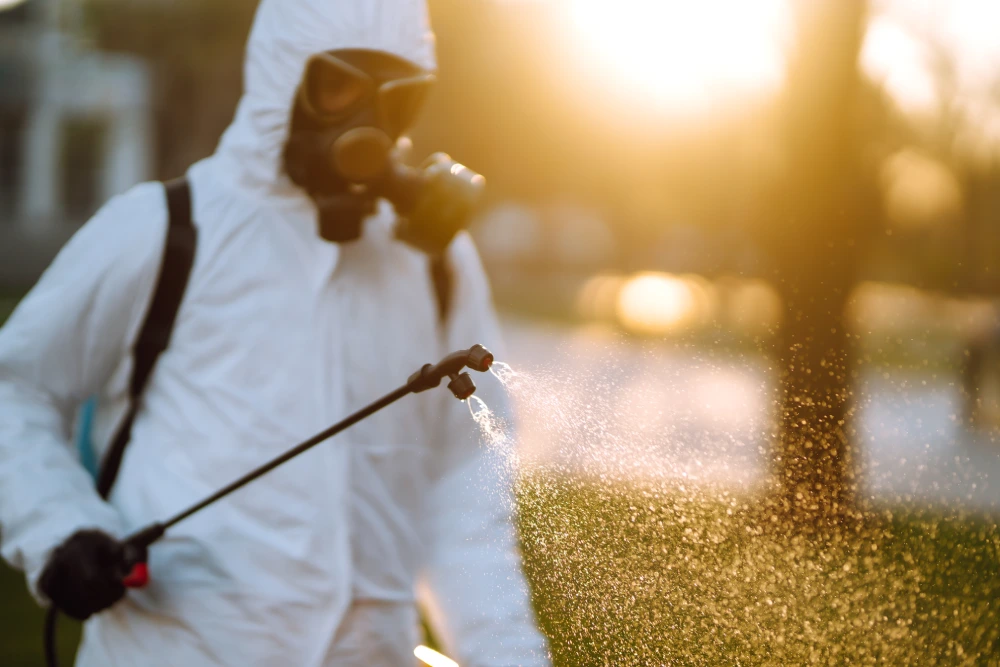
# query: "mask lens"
(401, 100)
(331, 87)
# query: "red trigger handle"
(138, 577)
(136, 552)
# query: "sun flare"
(682, 54)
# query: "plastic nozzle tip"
(480, 359)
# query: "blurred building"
(74, 131)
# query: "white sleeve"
(474, 589)
(58, 347)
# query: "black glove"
(84, 575)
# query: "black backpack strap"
(154, 336)
(441, 279)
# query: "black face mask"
(351, 109)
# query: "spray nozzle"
(462, 386)
(477, 357)
(480, 359)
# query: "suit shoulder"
(126, 235)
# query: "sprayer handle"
(136, 573)
(136, 569)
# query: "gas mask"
(351, 110)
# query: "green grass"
(21, 622)
(663, 577)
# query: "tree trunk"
(816, 241)
(814, 444)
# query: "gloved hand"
(84, 575)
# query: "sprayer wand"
(478, 358)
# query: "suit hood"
(284, 34)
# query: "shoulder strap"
(154, 336)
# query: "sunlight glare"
(939, 53)
(432, 658)
(894, 58)
(683, 54)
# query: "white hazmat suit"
(279, 335)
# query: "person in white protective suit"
(280, 333)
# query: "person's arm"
(474, 590)
(59, 346)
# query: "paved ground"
(606, 405)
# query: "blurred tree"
(823, 213)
